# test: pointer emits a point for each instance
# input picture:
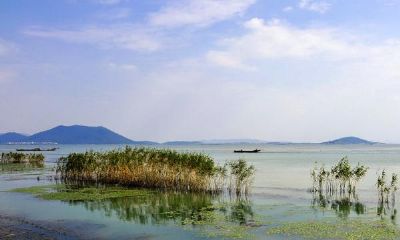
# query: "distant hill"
(78, 134)
(349, 140)
(75, 134)
(12, 137)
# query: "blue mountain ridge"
(75, 134)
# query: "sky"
(277, 70)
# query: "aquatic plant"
(336, 229)
(22, 158)
(341, 178)
(241, 176)
(386, 205)
(152, 168)
(385, 188)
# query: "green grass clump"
(146, 167)
(351, 229)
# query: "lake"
(279, 195)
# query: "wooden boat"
(247, 151)
(35, 150)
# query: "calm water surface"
(279, 194)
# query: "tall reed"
(145, 167)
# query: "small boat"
(247, 151)
(36, 150)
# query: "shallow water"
(279, 194)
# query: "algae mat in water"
(207, 214)
(339, 229)
(66, 193)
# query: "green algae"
(67, 193)
(205, 214)
(333, 229)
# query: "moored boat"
(35, 150)
(247, 151)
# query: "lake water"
(279, 194)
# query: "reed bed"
(146, 167)
(26, 158)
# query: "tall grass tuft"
(145, 167)
(341, 178)
(241, 176)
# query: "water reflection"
(386, 208)
(156, 207)
(19, 167)
(342, 204)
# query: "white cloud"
(276, 40)
(268, 40)
(127, 36)
(316, 6)
(227, 60)
(146, 36)
(198, 13)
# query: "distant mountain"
(78, 134)
(12, 137)
(349, 140)
(75, 134)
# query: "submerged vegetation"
(155, 168)
(340, 178)
(209, 213)
(350, 229)
(63, 192)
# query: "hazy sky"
(295, 70)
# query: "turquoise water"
(279, 194)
